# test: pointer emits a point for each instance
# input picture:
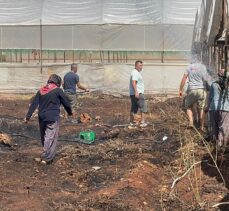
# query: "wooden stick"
(124, 125)
(218, 204)
(21, 135)
(179, 178)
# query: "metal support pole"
(41, 45)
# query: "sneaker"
(143, 124)
(74, 121)
(44, 162)
(132, 126)
(37, 160)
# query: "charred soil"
(124, 169)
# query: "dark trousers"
(214, 125)
(223, 127)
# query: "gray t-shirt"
(197, 76)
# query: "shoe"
(74, 121)
(190, 126)
(143, 124)
(132, 126)
(37, 160)
(44, 162)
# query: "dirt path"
(136, 168)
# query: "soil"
(131, 170)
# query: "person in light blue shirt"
(137, 89)
(218, 107)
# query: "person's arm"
(134, 84)
(32, 107)
(80, 86)
(182, 83)
(65, 103)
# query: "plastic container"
(87, 136)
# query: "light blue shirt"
(136, 76)
(218, 99)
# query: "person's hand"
(137, 95)
(26, 120)
(180, 93)
(206, 110)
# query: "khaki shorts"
(71, 99)
(197, 96)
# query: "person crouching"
(48, 100)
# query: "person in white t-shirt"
(137, 94)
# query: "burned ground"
(132, 170)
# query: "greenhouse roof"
(65, 12)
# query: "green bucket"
(87, 136)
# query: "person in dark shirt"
(48, 100)
(71, 80)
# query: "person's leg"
(69, 100)
(201, 102)
(223, 128)
(142, 118)
(201, 119)
(73, 105)
(190, 116)
(72, 101)
(51, 136)
(213, 125)
(42, 126)
(189, 102)
(131, 117)
(134, 108)
(195, 113)
(143, 108)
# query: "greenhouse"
(104, 37)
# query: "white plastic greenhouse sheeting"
(142, 25)
(57, 12)
(201, 22)
(214, 23)
(99, 37)
(158, 78)
(208, 21)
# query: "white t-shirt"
(136, 76)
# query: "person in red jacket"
(48, 100)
